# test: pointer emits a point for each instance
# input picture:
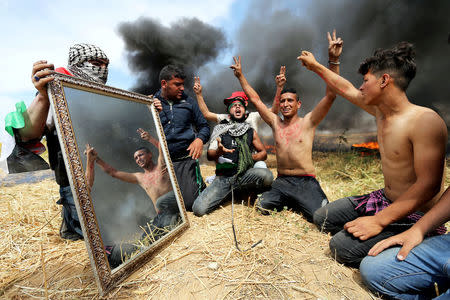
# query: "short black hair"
(143, 148)
(171, 70)
(290, 90)
(398, 62)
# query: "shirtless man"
(296, 186)
(253, 117)
(412, 143)
(154, 180)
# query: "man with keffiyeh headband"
(231, 145)
(85, 61)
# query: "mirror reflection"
(125, 169)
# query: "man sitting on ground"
(412, 143)
(231, 147)
(420, 266)
(296, 186)
(156, 183)
(154, 180)
(186, 131)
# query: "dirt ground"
(293, 261)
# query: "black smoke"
(150, 46)
(273, 33)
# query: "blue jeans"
(254, 179)
(70, 227)
(413, 278)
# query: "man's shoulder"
(222, 118)
(422, 116)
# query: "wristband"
(334, 62)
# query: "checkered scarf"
(79, 65)
(234, 128)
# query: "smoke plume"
(150, 45)
(273, 34)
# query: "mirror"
(127, 196)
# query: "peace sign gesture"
(237, 68)
(197, 86)
(334, 46)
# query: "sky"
(34, 30)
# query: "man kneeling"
(232, 145)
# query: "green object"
(245, 155)
(15, 119)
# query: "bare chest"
(394, 141)
(293, 134)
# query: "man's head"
(172, 82)
(88, 62)
(236, 106)
(289, 102)
(143, 157)
(388, 66)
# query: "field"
(292, 262)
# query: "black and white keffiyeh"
(79, 65)
(235, 129)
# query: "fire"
(270, 149)
(369, 145)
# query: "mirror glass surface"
(131, 192)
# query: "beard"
(241, 119)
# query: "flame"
(369, 145)
(270, 149)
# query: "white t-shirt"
(252, 119)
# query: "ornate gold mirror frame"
(106, 277)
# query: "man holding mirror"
(85, 61)
(180, 115)
(235, 147)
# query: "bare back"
(405, 151)
(293, 144)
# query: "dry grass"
(292, 262)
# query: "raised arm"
(428, 141)
(203, 133)
(334, 52)
(149, 138)
(210, 116)
(36, 114)
(91, 156)
(124, 176)
(261, 153)
(280, 81)
(268, 116)
(338, 84)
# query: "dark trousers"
(70, 226)
(346, 248)
(189, 180)
(300, 193)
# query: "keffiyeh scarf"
(79, 65)
(235, 129)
